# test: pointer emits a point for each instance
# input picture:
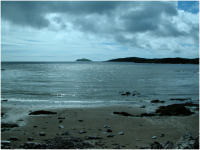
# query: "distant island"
(83, 59)
(176, 60)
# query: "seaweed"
(173, 110)
(42, 112)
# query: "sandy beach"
(138, 131)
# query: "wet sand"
(138, 131)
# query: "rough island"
(83, 59)
(176, 60)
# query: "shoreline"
(138, 131)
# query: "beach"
(137, 131)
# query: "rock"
(155, 101)
(173, 110)
(13, 138)
(42, 112)
(144, 147)
(35, 126)
(61, 127)
(196, 144)
(154, 137)
(106, 126)
(66, 133)
(30, 138)
(60, 121)
(188, 141)
(61, 117)
(109, 130)
(5, 100)
(93, 137)
(143, 106)
(81, 131)
(127, 93)
(162, 135)
(122, 113)
(156, 145)
(80, 120)
(2, 114)
(110, 135)
(169, 145)
(137, 139)
(148, 114)
(7, 125)
(121, 133)
(42, 133)
(5, 142)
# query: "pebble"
(13, 138)
(80, 120)
(42, 133)
(106, 126)
(81, 131)
(5, 142)
(143, 106)
(110, 135)
(61, 117)
(30, 138)
(137, 139)
(109, 130)
(120, 133)
(154, 137)
(162, 135)
(60, 121)
(61, 127)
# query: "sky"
(98, 30)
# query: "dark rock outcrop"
(122, 113)
(42, 112)
(7, 125)
(188, 141)
(173, 110)
(157, 101)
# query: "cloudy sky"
(98, 30)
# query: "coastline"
(138, 131)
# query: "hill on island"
(176, 60)
(83, 59)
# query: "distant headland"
(83, 59)
(176, 60)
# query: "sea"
(97, 83)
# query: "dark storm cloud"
(24, 13)
(113, 19)
(32, 13)
(148, 17)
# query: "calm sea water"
(99, 83)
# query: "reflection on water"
(97, 82)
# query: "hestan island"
(83, 59)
